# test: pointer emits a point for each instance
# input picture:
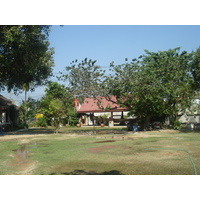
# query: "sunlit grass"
(103, 154)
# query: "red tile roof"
(91, 105)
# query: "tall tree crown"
(25, 56)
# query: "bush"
(33, 124)
(14, 126)
(42, 122)
(177, 124)
(73, 118)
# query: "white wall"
(190, 119)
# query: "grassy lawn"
(38, 151)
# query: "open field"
(38, 151)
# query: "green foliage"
(73, 118)
(108, 107)
(28, 109)
(176, 124)
(25, 56)
(155, 85)
(14, 126)
(195, 64)
(56, 104)
(103, 119)
(105, 116)
(22, 113)
(41, 122)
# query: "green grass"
(88, 154)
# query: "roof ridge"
(5, 102)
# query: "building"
(94, 112)
(8, 111)
(192, 115)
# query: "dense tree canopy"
(196, 68)
(25, 56)
(155, 85)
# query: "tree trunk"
(56, 131)
(146, 124)
(56, 126)
(25, 106)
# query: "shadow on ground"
(34, 131)
(82, 172)
(189, 130)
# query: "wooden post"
(122, 117)
(111, 122)
(93, 118)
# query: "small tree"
(57, 110)
(73, 118)
(56, 104)
(28, 109)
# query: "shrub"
(42, 122)
(73, 118)
(177, 124)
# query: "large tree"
(155, 85)
(195, 64)
(25, 56)
(84, 79)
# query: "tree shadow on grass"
(197, 130)
(83, 172)
(31, 131)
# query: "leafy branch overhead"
(25, 56)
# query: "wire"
(195, 170)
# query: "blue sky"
(115, 43)
(107, 43)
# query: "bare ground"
(28, 133)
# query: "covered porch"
(93, 113)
